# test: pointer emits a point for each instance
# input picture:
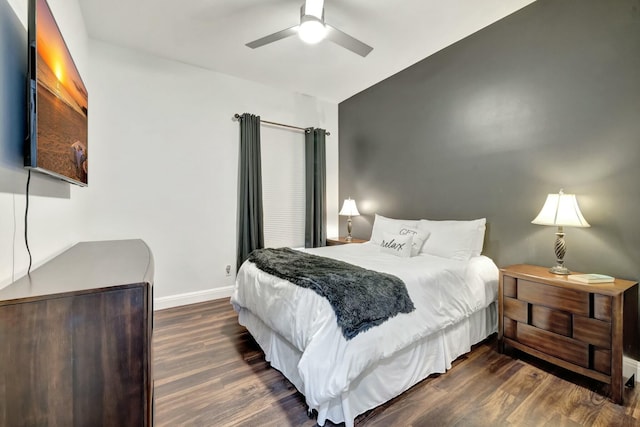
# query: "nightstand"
(584, 328)
(335, 241)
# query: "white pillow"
(383, 224)
(396, 244)
(454, 239)
(419, 237)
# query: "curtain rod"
(237, 116)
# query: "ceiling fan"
(313, 29)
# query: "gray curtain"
(316, 188)
(250, 227)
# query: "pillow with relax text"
(383, 224)
(419, 237)
(397, 244)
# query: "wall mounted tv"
(57, 116)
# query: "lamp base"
(560, 249)
(559, 269)
(348, 238)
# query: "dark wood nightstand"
(584, 328)
(335, 241)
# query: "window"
(283, 187)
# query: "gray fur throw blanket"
(361, 298)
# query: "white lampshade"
(349, 208)
(561, 210)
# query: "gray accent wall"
(546, 98)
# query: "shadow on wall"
(13, 77)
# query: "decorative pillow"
(383, 224)
(419, 237)
(396, 244)
(454, 239)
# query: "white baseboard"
(191, 297)
(630, 367)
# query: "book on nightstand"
(591, 278)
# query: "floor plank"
(209, 372)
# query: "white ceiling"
(212, 34)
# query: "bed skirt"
(389, 377)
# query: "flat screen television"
(57, 118)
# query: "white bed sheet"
(444, 292)
(389, 377)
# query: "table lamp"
(560, 210)
(349, 209)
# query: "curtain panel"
(316, 188)
(250, 218)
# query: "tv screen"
(58, 102)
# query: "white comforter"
(443, 291)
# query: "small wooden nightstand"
(335, 241)
(584, 328)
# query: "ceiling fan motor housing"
(312, 28)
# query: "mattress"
(341, 378)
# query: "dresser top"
(84, 268)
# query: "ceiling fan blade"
(273, 37)
(348, 42)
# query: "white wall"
(163, 165)
(56, 218)
(164, 160)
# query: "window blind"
(283, 187)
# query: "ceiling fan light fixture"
(311, 30)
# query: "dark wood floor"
(210, 372)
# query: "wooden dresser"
(75, 339)
(585, 328)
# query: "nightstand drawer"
(554, 297)
(516, 310)
(555, 345)
(550, 320)
(510, 286)
(510, 328)
(602, 307)
(592, 331)
(602, 361)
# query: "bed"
(454, 299)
